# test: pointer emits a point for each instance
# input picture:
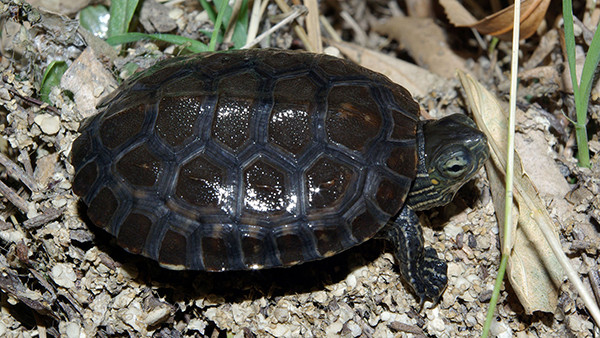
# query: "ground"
(62, 276)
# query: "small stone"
(280, 331)
(355, 330)
(334, 329)
(320, 297)
(454, 269)
(73, 330)
(197, 324)
(351, 281)
(49, 124)
(63, 275)
(157, 316)
(436, 324)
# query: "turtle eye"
(456, 165)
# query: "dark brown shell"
(247, 159)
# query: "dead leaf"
(425, 42)
(533, 269)
(499, 24)
(416, 80)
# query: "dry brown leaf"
(416, 80)
(457, 14)
(499, 24)
(533, 269)
(425, 42)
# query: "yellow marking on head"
(434, 181)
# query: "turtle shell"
(247, 159)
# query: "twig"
(329, 29)
(361, 36)
(232, 21)
(49, 215)
(15, 171)
(300, 32)
(296, 12)
(36, 102)
(254, 21)
(13, 197)
(312, 25)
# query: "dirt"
(62, 276)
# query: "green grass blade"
(589, 67)
(570, 40)
(581, 96)
(240, 32)
(51, 79)
(121, 13)
(218, 22)
(209, 10)
(495, 295)
(190, 44)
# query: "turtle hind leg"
(419, 266)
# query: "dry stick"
(48, 215)
(296, 12)
(329, 29)
(361, 36)
(255, 16)
(26, 162)
(36, 102)
(232, 20)
(18, 173)
(312, 25)
(595, 283)
(13, 197)
(300, 32)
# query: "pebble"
(351, 281)
(73, 330)
(355, 330)
(333, 329)
(157, 316)
(63, 275)
(49, 124)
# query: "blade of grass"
(209, 10)
(581, 96)
(192, 45)
(218, 22)
(240, 31)
(121, 13)
(510, 160)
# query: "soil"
(61, 276)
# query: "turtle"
(253, 159)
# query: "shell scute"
(140, 167)
(349, 122)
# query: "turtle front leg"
(419, 266)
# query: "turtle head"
(453, 151)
